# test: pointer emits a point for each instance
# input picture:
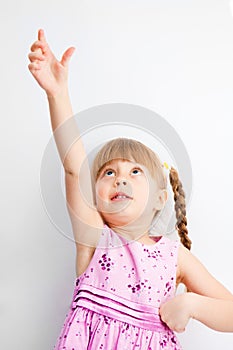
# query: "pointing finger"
(41, 35)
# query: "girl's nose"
(118, 182)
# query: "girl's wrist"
(57, 95)
(193, 301)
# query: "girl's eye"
(136, 171)
(109, 172)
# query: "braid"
(180, 208)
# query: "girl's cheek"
(100, 194)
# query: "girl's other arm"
(208, 300)
(212, 303)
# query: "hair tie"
(166, 166)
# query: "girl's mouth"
(120, 196)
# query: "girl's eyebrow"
(107, 166)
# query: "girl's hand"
(50, 74)
(177, 312)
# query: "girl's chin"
(119, 219)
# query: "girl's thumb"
(67, 56)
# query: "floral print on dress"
(115, 304)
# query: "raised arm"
(52, 76)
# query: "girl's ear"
(161, 198)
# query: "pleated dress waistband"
(116, 307)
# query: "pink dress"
(116, 301)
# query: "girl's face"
(126, 192)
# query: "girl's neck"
(132, 231)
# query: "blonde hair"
(132, 150)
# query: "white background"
(174, 57)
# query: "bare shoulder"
(186, 262)
(197, 278)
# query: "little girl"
(124, 296)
